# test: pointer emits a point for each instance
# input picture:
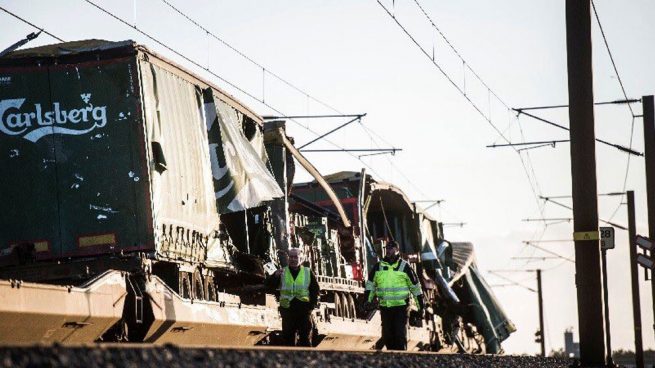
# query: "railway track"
(143, 355)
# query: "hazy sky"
(353, 57)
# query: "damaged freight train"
(165, 201)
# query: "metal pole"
(271, 117)
(649, 150)
(386, 150)
(634, 273)
(332, 131)
(528, 143)
(617, 146)
(583, 172)
(541, 314)
(362, 223)
(608, 336)
(615, 102)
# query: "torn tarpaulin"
(241, 179)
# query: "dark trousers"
(394, 327)
(296, 323)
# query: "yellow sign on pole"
(586, 235)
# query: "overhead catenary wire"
(609, 222)
(513, 282)
(617, 146)
(490, 92)
(210, 71)
(266, 70)
(550, 252)
(533, 185)
(464, 63)
(625, 95)
(31, 24)
(609, 51)
(626, 101)
(293, 86)
(215, 75)
(443, 72)
(548, 107)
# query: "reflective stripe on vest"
(294, 289)
(392, 286)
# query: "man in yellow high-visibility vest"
(393, 281)
(298, 292)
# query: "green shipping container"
(104, 150)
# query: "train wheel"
(198, 286)
(351, 306)
(210, 289)
(344, 306)
(468, 340)
(337, 305)
(184, 287)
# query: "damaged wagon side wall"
(184, 212)
(70, 144)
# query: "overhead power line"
(625, 95)
(20, 43)
(215, 75)
(607, 46)
(534, 186)
(264, 69)
(270, 117)
(385, 150)
(547, 107)
(356, 118)
(550, 252)
(31, 24)
(293, 86)
(549, 199)
(541, 143)
(617, 146)
(497, 273)
(467, 65)
(443, 72)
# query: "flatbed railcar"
(144, 204)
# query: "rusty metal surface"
(359, 334)
(39, 313)
(345, 333)
(73, 272)
(230, 323)
(183, 209)
(224, 323)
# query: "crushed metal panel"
(224, 323)
(462, 257)
(491, 319)
(58, 313)
(184, 210)
(241, 178)
(70, 48)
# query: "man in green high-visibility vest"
(298, 292)
(393, 281)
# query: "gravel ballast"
(171, 356)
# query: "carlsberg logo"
(39, 122)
